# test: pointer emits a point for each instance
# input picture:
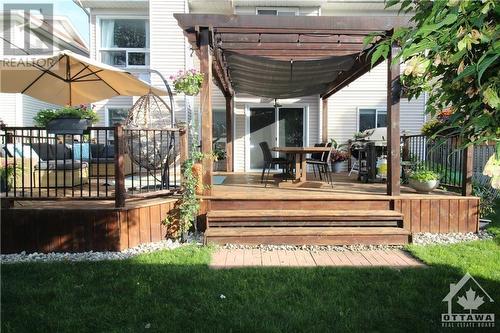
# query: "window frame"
(377, 109)
(99, 49)
(278, 9)
(106, 113)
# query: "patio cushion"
(97, 150)
(61, 165)
(103, 160)
(61, 151)
(81, 151)
(43, 150)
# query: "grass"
(175, 291)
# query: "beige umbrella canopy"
(66, 78)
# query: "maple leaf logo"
(470, 301)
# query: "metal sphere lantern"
(148, 144)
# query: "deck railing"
(445, 157)
(104, 163)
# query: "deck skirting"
(78, 229)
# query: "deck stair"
(319, 227)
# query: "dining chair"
(270, 162)
(316, 158)
(323, 165)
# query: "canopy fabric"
(265, 77)
(67, 78)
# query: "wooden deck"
(83, 225)
(247, 186)
(242, 210)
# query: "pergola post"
(393, 136)
(229, 132)
(206, 108)
(324, 120)
(467, 170)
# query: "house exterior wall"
(169, 52)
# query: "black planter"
(4, 186)
(68, 125)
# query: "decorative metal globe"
(148, 144)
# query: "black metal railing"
(444, 157)
(103, 163)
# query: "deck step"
(308, 235)
(309, 218)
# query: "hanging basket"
(148, 144)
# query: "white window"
(125, 42)
(116, 115)
(371, 118)
(277, 11)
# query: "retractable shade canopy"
(66, 78)
(286, 56)
(267, 77)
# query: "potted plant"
(67, 120)
(219, 156)
(187, 82)
(424, 180)
(7, 174)
(337, 157)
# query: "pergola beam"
(294, 23)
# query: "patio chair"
(270, 162)
(317, 158)
(323, 165)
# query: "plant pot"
(68, 125)
(423, 187)
(336, 167)
(4, 185)
(197, 170)
(220, 165)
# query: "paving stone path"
(233, 258)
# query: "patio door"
(284, 127)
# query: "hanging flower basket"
(187, 82)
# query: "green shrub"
(488, 197)
(43, 117)
(424, 175)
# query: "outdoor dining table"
(300, 158)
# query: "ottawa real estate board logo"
(464, 300)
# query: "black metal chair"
(316, 158)
(323, 165)
(270, 162)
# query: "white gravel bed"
(313, 248)
(98, 256)
(427, 238)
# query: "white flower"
(148, 325)
(222, 296)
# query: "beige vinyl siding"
(8, 114)
(169, 48)
(31, 106)
(369, 91)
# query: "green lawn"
(176, 291)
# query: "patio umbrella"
(66, 78)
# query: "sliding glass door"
(284, 127)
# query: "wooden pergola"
(299, 39)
